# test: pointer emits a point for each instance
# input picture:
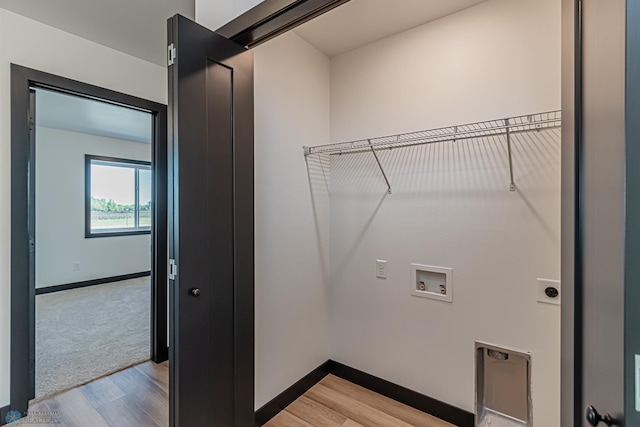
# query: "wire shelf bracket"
(500, 127)
(512, 187)
(381, 168)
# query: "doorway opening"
(89, 235)
(93, 280)
(433, 199)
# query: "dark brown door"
(210, 228)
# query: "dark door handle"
(594, 418)
(195, 292)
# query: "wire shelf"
(508, 126)
(528, 123)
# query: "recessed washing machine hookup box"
(432, 282)
(503, 387)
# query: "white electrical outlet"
(548, 291)
(76, 266)
(381, 269)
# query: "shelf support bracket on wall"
(380, 166)
(508, 128)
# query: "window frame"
(115, 232)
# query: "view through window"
(118, 196)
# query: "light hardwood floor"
(334, 402)
(134, 397)
(138, 397)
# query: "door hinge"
(173, 269)
(32, 245)
(171, 54)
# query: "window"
(118, 197)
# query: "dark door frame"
(632, 233)
(23, 81)
(271, 18)
(572, 409)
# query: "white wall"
(497, 59)
(36, 45)
(292, 212)
(450, 205)
(60, 193)
(214, 14)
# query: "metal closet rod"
(507, 126)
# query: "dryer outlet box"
(432, 282)
(548, 291)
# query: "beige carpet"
(86, 333)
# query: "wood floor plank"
(102, 391)
(144, 392)
(287, 419)
(396, 409)
(158, 373)
(124, 412)
(315, 414)
(352, 409)
(75, 409)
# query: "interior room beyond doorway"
(93, 205)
